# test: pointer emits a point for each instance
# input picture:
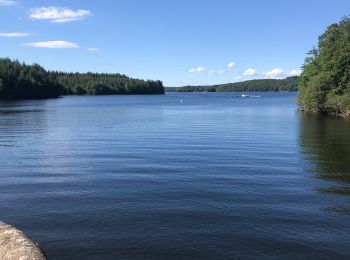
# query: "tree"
(1, 85)
(287, 84)
(21, 81)
(325, 80)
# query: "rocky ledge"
(15, 245)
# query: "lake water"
(178, 176)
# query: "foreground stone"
(15, 245)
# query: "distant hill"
(287, 84)
(22, 81)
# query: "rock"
(15, 245)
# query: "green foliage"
(191, 89)
(105, 84)
(21, 81)
(288, 84)
(325, 80)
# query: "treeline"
(105, 84)
(325, 80)
(22, 81)
(259, 85)
(191, 89)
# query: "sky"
(182, 42)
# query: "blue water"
(176, 176)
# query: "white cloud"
(275, 73)
(217, 72)
(237, 78)
(231, 65)
(295, 73)
(57, 14)
(53, 45)
(7, 2)
(250, 72)
(14, 34)
(93, 49)
(197, 70)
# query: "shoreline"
(343, 115)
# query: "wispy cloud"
(295, 73)
(231, 65)
(275, 73)
(53, 45)
(58, 14)
(217, 72)
(250, 72)
(7, 2)
(93, 49)
(15, 34)
(197, 70)
(213, 72)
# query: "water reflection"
(7, 112)
(19, 121)
(326, 143)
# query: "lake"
(176, 176)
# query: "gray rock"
(15, 245)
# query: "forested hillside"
(105, 84)
(21, 81)
(287, 84)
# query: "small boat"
(248, 96)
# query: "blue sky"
(179, 42)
